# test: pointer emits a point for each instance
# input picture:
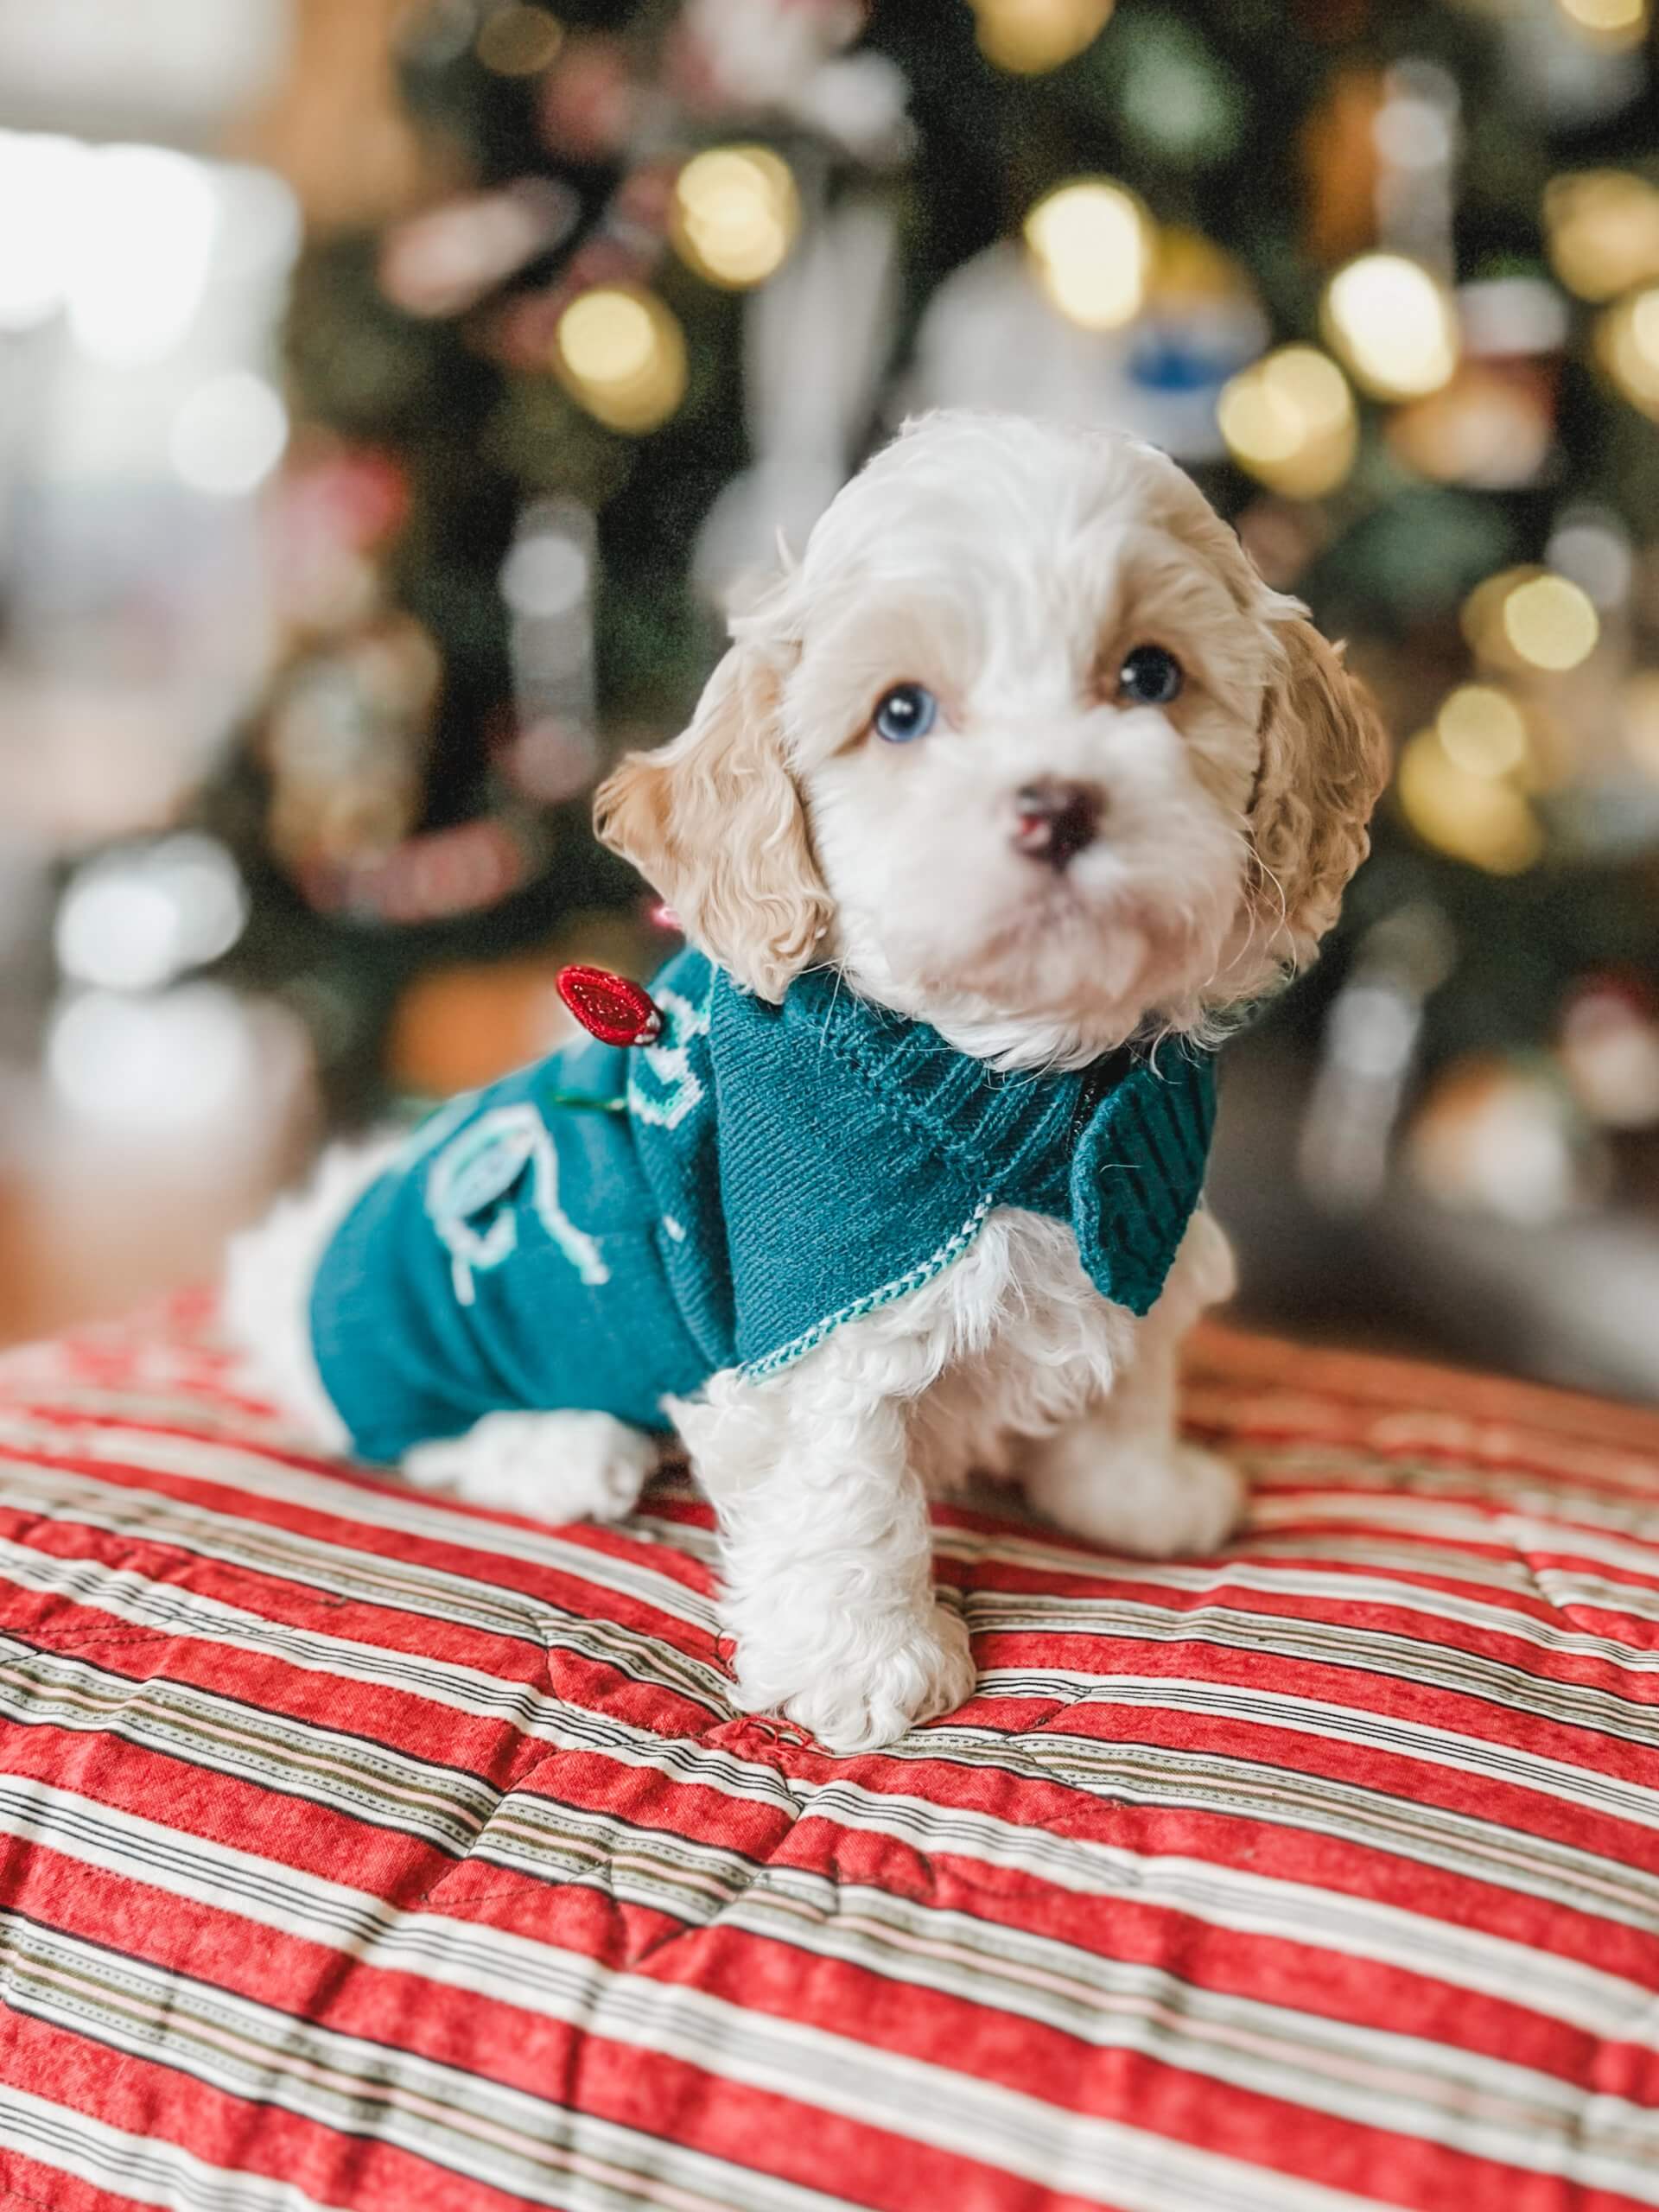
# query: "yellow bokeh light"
(1603, 229)
(1029, 36)
(1627, 342)
(1482, 731)
(1394, 325)
(1475, 817)
(1550, 623)
(1618, 23)
(1289, 419)
(622, 354)
(1092, 243)
(518, 42)
(736, 214)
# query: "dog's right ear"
(714, 821)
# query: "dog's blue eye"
(1150, 677)
(908, 710)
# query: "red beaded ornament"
(609, 1006)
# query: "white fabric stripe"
(1030, 1610)
(1569, 1783)
(977, 1961)
(250, 2049)
(1535, 1866)
(1450, 1672)
(1390, 1509)
(364, 1578)
(146, 2168)
(231, 1464)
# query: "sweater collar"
(1017, 1128)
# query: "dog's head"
(1023, 745)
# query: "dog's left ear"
(1325, 760)
(715, 822)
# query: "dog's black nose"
(1055, 819)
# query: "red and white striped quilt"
(364, 1852)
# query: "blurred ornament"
(338, 130)
(142, 915)
(1092, 243)
(1627, 345)
(1512, 318)
(344, 740)
(1417, 132)
(817, 343)
(1602, 226)
(430, 878)
(1367, 1052)
(1290, 420)
(335, 507)
(1502, 1136)
(589, 99)
(1471, 813)
(1638, 719)
(620, 351)
(735, 214)
(1592, 547)
(1394, 325)
(755, 56)
(1608, 22)
(155, 1065)
(547, 581)
(1282, 538)
(517, 41)
(1609, 1050)
(1174, 99)
(1492, 428)
(1029, 37)
(444, 261)
(1529, 618)
(1339, 153)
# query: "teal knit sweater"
(613, 1225)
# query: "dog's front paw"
(861, 1702)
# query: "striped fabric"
(359, 1851)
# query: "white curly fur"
(1011, 567)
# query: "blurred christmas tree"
(1386, 279)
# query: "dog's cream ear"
(714, 820)
(1325, 760)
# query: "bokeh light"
(1551, 623)
(518, 42)
(1476, 817)
(1289, 419)
(1394, 325)
(142, 246)
(736, 214)
(1627, 343)
(1027, 37)
(1092, 244)
(133, 919)
(1638, 719)
(1613, 22)
(229, 435)
(169, 1064)
(1602, 226)
(1482, 731)
(621, 352)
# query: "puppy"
(1004, 800)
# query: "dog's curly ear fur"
(1325, 760)
(715, 822)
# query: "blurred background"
(388, 393)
